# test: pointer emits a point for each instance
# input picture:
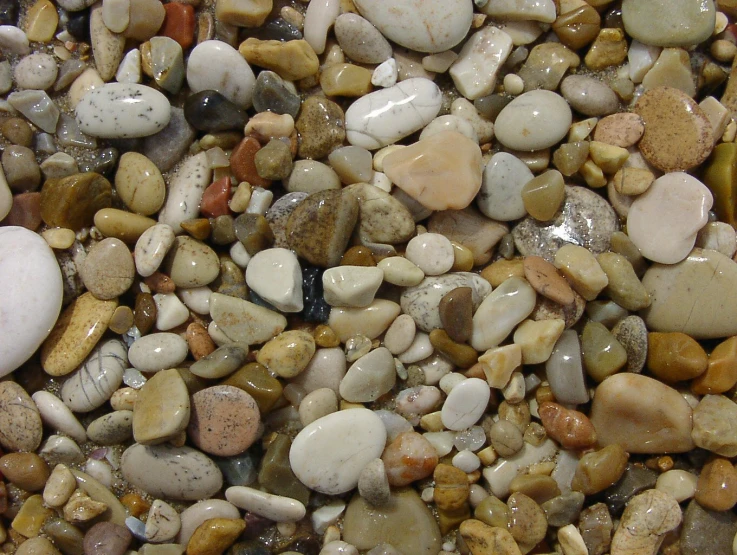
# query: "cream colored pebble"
(582, 269)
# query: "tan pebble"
(122, 320)
(41, 21)
(268, 125)
(499, 271)
(624, 287)
(325, 337)
(678, 135)
(671, 69)
(598, 470)
(571, 428)
(288, 353)
(126, 226)
(592, 174)
(609, 49)
(146, 17)
(498, 363)
(160, 283)
(27, 471)
(603, 354)
(582, 269)
(20, 421)
(139, 184)
(608, 157)
(483, 539)
(623, 130)
(199, 341)
(581, 129)
(345, 80)
(537, 339)
(527, 522)
(538, 487)
(162, 408)
(243, 14)
(451, 487)
(215, 535)
(82, 508)
(292, 60)
(646, 519)
(462, 356)
(675, 356)
(545, 279)
(59, 487)
(716, 488)
(124, 398)
(462, 258)
(569, 157)
(37, 546)
(410, 457)
(107, 47)
(31, 517)
(59, 237)
(543, 195)
(108, 270)
(721, 373)
(633, 181)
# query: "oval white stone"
(500, 197)
(122, 111)
(465, 404)
(31, 298)
(500, 312)
(329, 454)
(151, 248)
(276, 276)
(231, 75)
(274, 507)
(370, 377)
(179, 473)
(533, 121)
(57, 415)
(157, 351)
(383, 117)
(95, 381)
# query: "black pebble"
(211, 111)
(79, 25)
(315, 307)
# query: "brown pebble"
(462, 356)
(325, 336)
(28, 471)
(545, 279)
(456, 313)
(160, 283)
(721, 373)
(451, 487)
(25, 211)
(254, 231)
(135, 504)
(144, 313)
(199, 228)
(358, 256)
(598, 470)
(243, 164)
(571, 428)
(215, 535)
(623, 129)
(717, 485)
(199, 341)
(122, 320)
(73, 201)
(675, 356)
(527, 522)
(224, 420)
(20, 421)
(17, 131)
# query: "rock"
(623, 129)
(267, 505)
(167, 63)
(20, 421)
(421, 170)
(275, 275)
(621, 415)
(585, 219)
(252, 14)
(645, 22)
(28, 266)
(465, 404)
(352, 286)
(191, 263)
(319, 17)
(177, 473)
(533, 121)
(163, 522)
(381, 217)
(370, 377)
(232, 77)
(162, 408)
(244, 321)
(139, 184)
(37, 107)
(107, 111)
(56, 415)
(179, 24)
(329, 454)
(292, 60)
(112, 428)
(420, 26)
(705, 529)
(471, 229)
(678, 135)
(369, 126)
(675, 356)
(108, 538)
(97, 379)
(405, 522)
(488, 48)
(73, 201)
(36, 71)
(646, 519)
(167, 147)
(682, 218)
(272, 94)
(360, 40)
(108, 269)
(500, 197)
(500, 312)
(713, 420)
(225, 420)
(322, 127)
(107, 47)
(674, 296)
(157, 351)
(483, 539)
(152, 247)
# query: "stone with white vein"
(421, 25)
(500, 312)
(465, 404)
(97, 379)
(370, 377)
(231, 76)
(353, 286)
(329, 454)
(273, 507)
(500, 197)
(450, 122)
(475, 71)
(123, 111)
(275, 275)
(383, 117)
(185, 192)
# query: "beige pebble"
(582, 269)
(108, 270)
(59, 487)
(288, 353)
(623, 129)
(537, 339)
(139, 184)
(59, 237)
(20, 421)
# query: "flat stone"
(465, 404)
(629, 408)
(533, 121)
(139, 184)
(371, 321)
(20, 422)
(292, 60)
(329, 454)
(353, 286)
(244, 321)
(110, 112)
(152, 247)
(690, 23)
(33, 295)
(589, 96)
(714, 420)
(646, 519)
(698, 281)
(112, 428)
(211, 111)
(108, 269)
(420, 26)
(360, 40)
(322, 127)
(275, 275)
(177, 473)
(487, 48)
(500, 312)
(162, 408)
(97, 379)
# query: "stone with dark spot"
(210, 111)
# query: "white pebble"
(36, 71)
(319, 17)
(466, 460)
(158, 351)
(276, 276)
(170, 311)
(231, 76)
(13, 40)
(353, 286)
(419, 349)
(326, 516)
(474, 73)
(267, 505)
(56, 415)
(465, 404)
(129, 70)
(449, 381)
(431, 252)
(385, 74)
(151, 248)
(239, 254)
(260, 201)
(197, 299)
(681, 484)
(513, 84)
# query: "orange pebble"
(179, 23)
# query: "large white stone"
(500, 312)
(31, 295)
(329, 454)
(123, 111)
(383, 117)
(475, 71)
(215, 65)
(533, 121)
(422, 25)
(276, 276)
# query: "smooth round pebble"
(108, 269)
(36, 71)
(431, 252)
(533, 121)
(157, 351)
(465, 404)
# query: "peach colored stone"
(546, 280)
(179, 23)
(622, 130)
(408, 458)
(243, 165)
(441, 172)
(215, 198)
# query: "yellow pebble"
(41, 21)
(592, 174)
(462, 258)
(608, 157)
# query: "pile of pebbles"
(330, 277)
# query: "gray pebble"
(631, 332)
(21, 169)
(373, 484)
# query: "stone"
(369, 377)
(483, 539)
(373, 128)
(533, 121)
(678, 135)
(193, 516)
(168, 146)
(421, 170)
(705, 529)
(471, 229)
(56, 415)
(500, 196)
(360, 40)
(598, 470)
(465, 404)
(500, 312)
(112, 428)
(608, 49)
(108, 269)
(718, 177)
(717, 485)
(273, 507)
(329, 454)
(232, 77)
(565, 372)
(623, 286)
(244, 321)
(177, 473)
(275, 275)
(381, 217)
(675, 356)
(620, 415)
(157, 351)
(243, 14)
(191, 263)
(273, 94)
(644, 22)
(20, 421)
(163, 522)
(603, 355)
(162, 408)
(72, 201)
(346, 80)
(167, 63)
(139, 184)
(322, 128)
(97, 379)
(146, 17)
(713, 425)
(292, 60)
(288, 353)
(28, 267)
(35, 71)
(647, 518)
(720, 373)
(107, 46)
(487, 48)
(42, 21)
(713, 272)
(107, 112)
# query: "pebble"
(152, 247)
(109, 113)
(108, 269)
(157, 351)
(712, 419)
(20, 421)
(360, 40)
(329, 454)
(620, 415)
(13, 40)
(96, 380)
(369, 377)
(215, 411)
(28, 265)
(646, 519)
(112, 428)
(589, 96)
(705, 529)
(37, 107)
(500, 312)
(244, 321)
(469, 228)
(683, 203)
(321, 126)
(162, 408)
(481, 539)
(35, 71)
(500, 196)
(275, 275)
(421, 170)
(185, 191)
(694, 282)
(195, 515)
(273, 507)
(381, 217)
(716, 488)
(191, 263)
(292, 60)
(55, 414)
(273, 94)
(409, 106)
(177, 473)
(488, 48)
(163, 522)
(42, 21)
(351, 286)
(139, 184)
(644, 21)
(680, 484)
(210, 111)
(420, 26)
(465, 404)
(533, 121)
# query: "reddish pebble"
(25, 212)
(242, 163)
(571, 428)
(408, 458)
(199, 341)
(179, 23)
(160, 283)
(224, 420)
(215, 199)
